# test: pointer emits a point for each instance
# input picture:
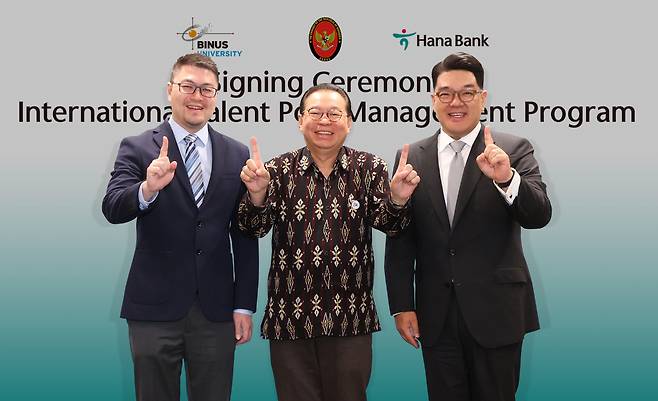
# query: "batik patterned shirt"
(320, 281)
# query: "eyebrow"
(468, 86)
(189, 81)
(333, 108)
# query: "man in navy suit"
(193, 280)
(457, 279)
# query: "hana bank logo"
(453, 40)
(403, 36)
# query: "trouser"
(457, 368)
(158, 349)
(322, 368)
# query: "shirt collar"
(180, 133)
(306, 160)
(468, 139)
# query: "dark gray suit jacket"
(481, 257)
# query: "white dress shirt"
(445, 155)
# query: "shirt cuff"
(243, 311)
(394, 208)
(265, 201)
(143, 203)
(513, 190)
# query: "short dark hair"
(460, 61)
(328, 87)
(196, 60)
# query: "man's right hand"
(159, 173)
(407, 325)
(255, 176)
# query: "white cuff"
(513, 190)
(143, 203)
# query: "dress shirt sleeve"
(513, 190)
(143, 203)
(255, 220)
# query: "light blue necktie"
(193, 166)
(455, 178)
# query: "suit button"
(199, 224)
(199, 251)
(452, 252)
(453, 283)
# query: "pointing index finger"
(255, 152)
(164, 149)
(488, 140)
(403, 156)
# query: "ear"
(435, 103)
(169, 89)
(349, 124)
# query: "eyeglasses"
(466, 95)
(188, 89)
(332, 115)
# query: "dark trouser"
(158, 349)
(459, 369)
(322, 369)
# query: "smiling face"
(458, 118)
(324, 136)
(192, 111)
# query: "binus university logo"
(403, 36)
(456, 40)
(325, 39)
(202, 41)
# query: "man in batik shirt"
(322, 201)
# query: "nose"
(324, 119)
(196, 94)
(456, 101)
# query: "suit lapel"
(470, 178)
(431, 178)
(218, 149)
(180, 176)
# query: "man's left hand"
(494, 162)
(243, 327)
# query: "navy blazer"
(480, 258)
(183, 251)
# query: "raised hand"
(407, 325)
(255, 176)
(405, 180)
(160, 172)
(494, 162)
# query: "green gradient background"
(63, 267)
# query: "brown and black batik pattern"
(321, 277)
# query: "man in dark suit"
(473, 300)
(193, 280)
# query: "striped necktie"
(194, 171)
